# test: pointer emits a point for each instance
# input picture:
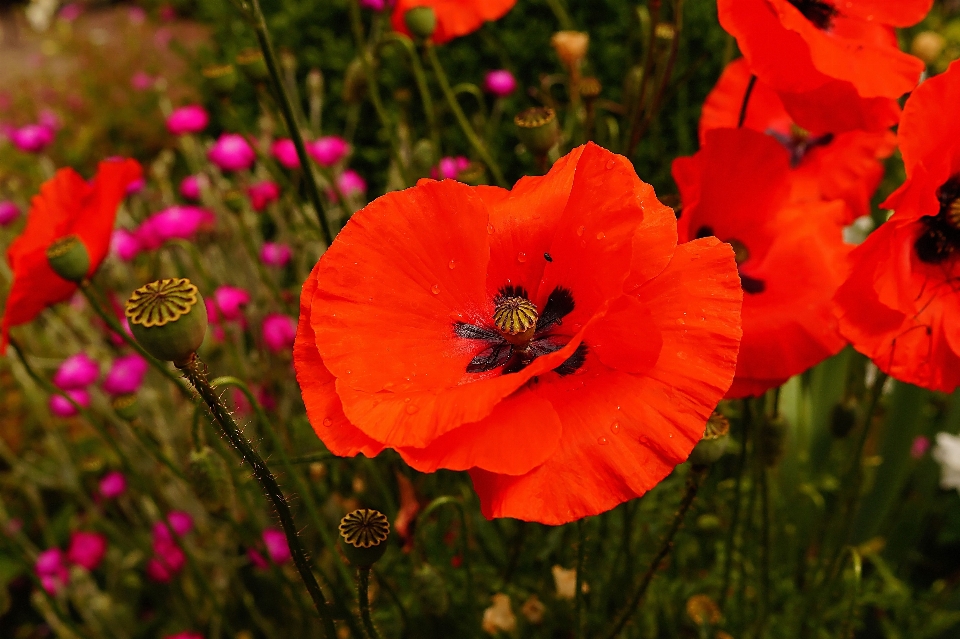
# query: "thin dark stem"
(195, 372)
(735, 515)
(635, 118)
(746, 101)
(578, 592)
(515, 551)
(286, 106)
(363, 586)
(694, 481)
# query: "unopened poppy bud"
(168, 318)
(714, 442)
(69, 259)
(363, 536)
(355, 82)
(422, 21)
(210, 478)
(571, 47)
(222, 78)
(431, 590)
(251, 62)
(126, 407)
(538, 130)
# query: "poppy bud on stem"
(363, 536)
(538, 130)
(68, 257)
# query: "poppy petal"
(903, 13)
(928, 132)
(455, 18)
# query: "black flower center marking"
(940, 234)
(749, 284)
(799, 142)
(520, 333)
(820, 13)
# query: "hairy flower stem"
(578, 586)
(194, 371)
(363, 588)
(461, 117)
(286, 106)
(694, 481)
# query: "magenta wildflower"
(192, 186)
(350, 184)
(32, 138)
(276, 543)
(230, 301)
(86, 549)
(77, 371)
(257, 559)
(286, 153)
(175, 222)
(113, 484)
(262, 194)
(919, 447)
(279, 331)
(126, 375)
(500, 83)
(192, 118)
(328, 150)
(136, 186)
(141, 81)
(52, 570)
(9, 212)
(61, 406)
(275, 254)
(232, 152)
(450, 167)
(124, 244)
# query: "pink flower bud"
(188, 119)
(276, 543)
(9, 212)
(350, 184)
(232, 152)
(70, 12)
(77, 371)
(137, 15)
(87, 549)
(275, 255)
(279, 332)
(49, 119)
(328, 150)
(181, 522)
(185, 635)
(175, 222)
(61, 407)
(113, 485)
(501, 83)
(919, 447)
(124, 244)
(230, 301)
(32, 138)
(142, 81)
(136, 186)
(126, 375)
(192, 185)
(263, 193)
(257, 559)
(168, 562)
(449, 167)
(286, 153)
(376, 5)
(52, 571)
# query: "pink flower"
(276, 543)
(449, 167)
(328, 150)
(77, 371)
(275, 255)
(175, 222)
(136, 186)
(113, 485)
(350, 184)
(376, 5)
(286, 153)
(125, 375)
(263, 193)
(232, 152)
(124, 245)
(919, 447)
(169, 560)
(279, 331)
(257, 559)
(188, 119)
(87, 549)
(32, 138)
(168, 12)
(137, 15)
(181, 522)
(9, 212)
(185, 635)
(229, 301)
(142, 81)
(71, 12)
(192, 185)
(501, 83)
(61, 406)
(51, 570)
(49, 119)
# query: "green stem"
(560, 13)
(195, 372)
(363, 587)
(266, 46)
(464, 541)
(461, 117)
(578, 586)
(425, 97)
(737, 498)
(694, 480)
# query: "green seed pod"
(422, 21)
(222, 78)
(168, 318)
(68, 257)
(431, 590)
(537, 128)
(210, 478)
(474, 175)
(251, 62)
(590, 89)
(714, 442)
(127, 407)
(363, 536)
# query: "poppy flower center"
(799, 142)
(816, 11)
(940, 237)
(741, 254)
(520, 333)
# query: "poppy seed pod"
(537, 128)
(221, 77)
(126, 407)
(714, 442)
(168, 318)
(422, 21)
(251, 62)
(590, 89)
(363, 536)
(68, 257)
(571, 47)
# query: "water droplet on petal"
(611, 164)
(327, 422)
(603, 441)
(521, 257)
(411, 409)
(406, 400)
(615, 427)
(601, 235)
(490, 229)
(452, 265)
(435, 289)
(580, 230)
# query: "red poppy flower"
(791, 255)
(901, 303)
(67, 204)
(553, 339)
(800, 45)
(455, 18)
(827, 164)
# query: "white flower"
(499, 616)
(947, 454)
